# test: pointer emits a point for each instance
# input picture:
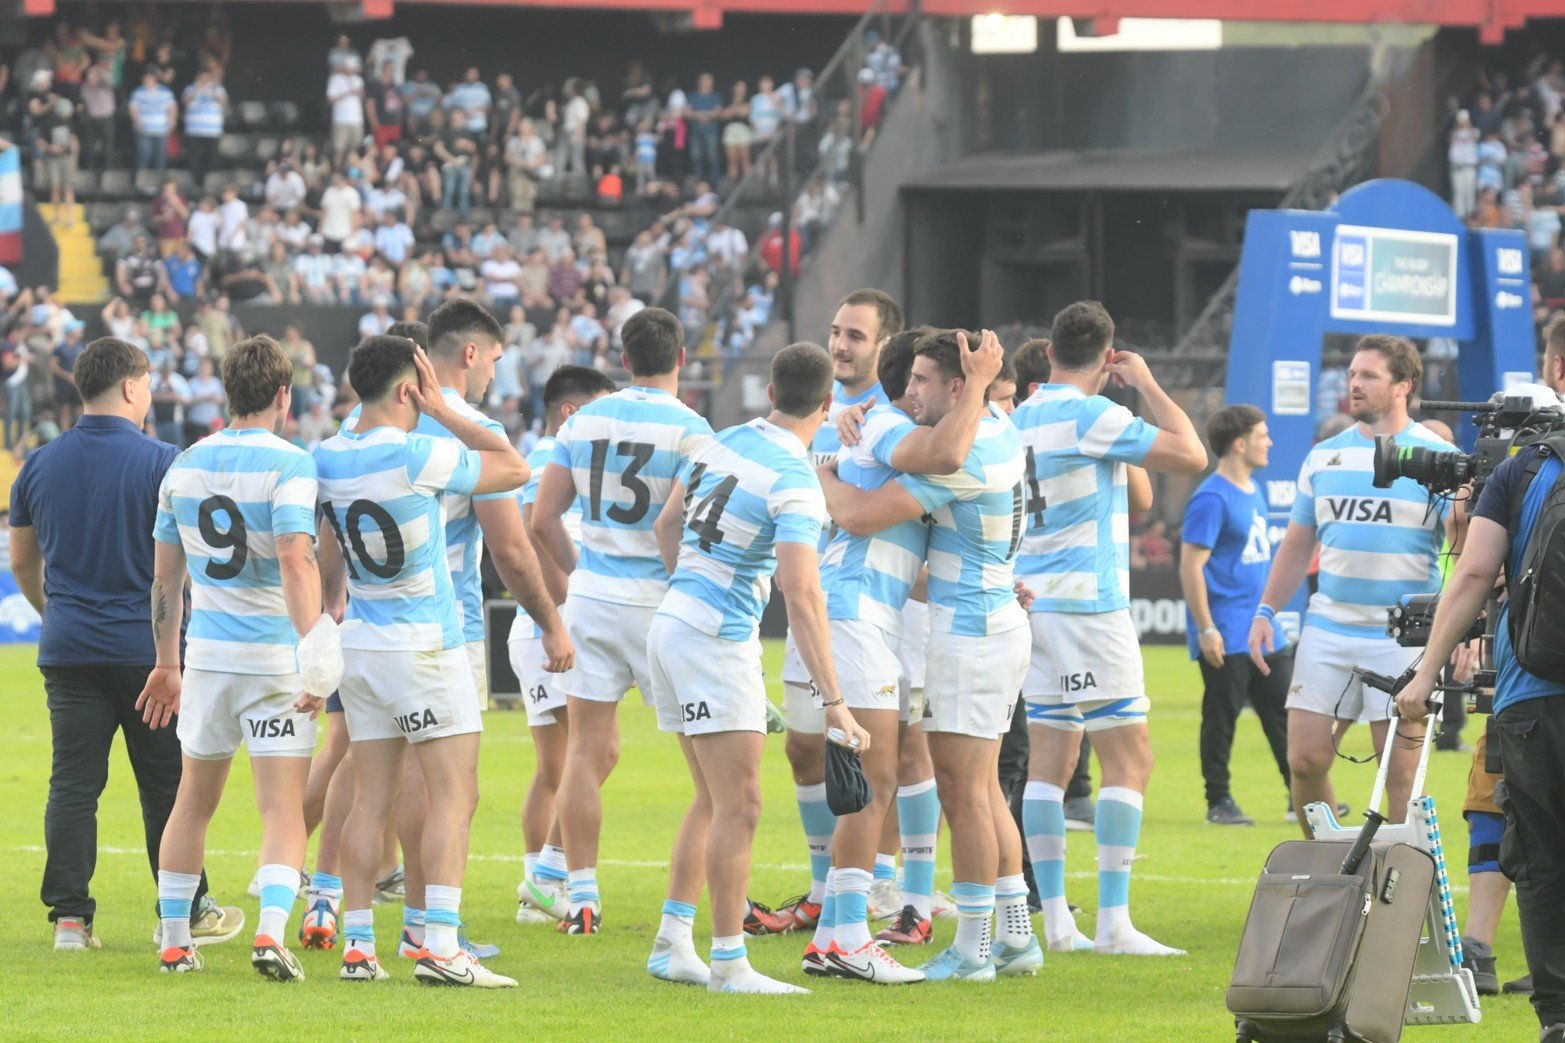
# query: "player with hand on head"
(239, 508)
(1086, 669)
(543, 896)
(977, 645)
(864, 321)
(1376, 545)
(408, 680)
(616, 457)
(746, 504)
(868, 579)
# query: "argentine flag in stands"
(225, 500)
(623, 451)
(537, 460)
(1076, 554)
(746, 490)
(11, 205)
(1375, 544)
(976, 518)
(869, 577)
(380, 491)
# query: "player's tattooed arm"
(301, 579)
(159, 700)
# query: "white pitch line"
(785, 867)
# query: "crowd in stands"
(414, 192)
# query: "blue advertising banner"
(18, 622)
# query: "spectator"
(555, 240)
(588, 335)
(526, 161)
(233, 219)
(383, 106)
(673, 128)
(872, 103)
(170, 217)
(159, 317)
(533, 282)
(738, 136)
(184, 273)
(814, 209)
(339, 204)
(118, 319)
(278, 271)
(547, 354)
(765, 118)
(204, 414)
(571, 142)
(727, 244)
(377, 320)
(285, 189)
(17, 360)
(836, 150)
(386, 198)
(421, 100)
(797, 98)
(203, 227)
(645, 268)
(170, 397)
(589, 237)
(58, 150)
(457, 151)
(70, 60)
(316, 425)
(347, 272)
(524, 237)
(100, 105)
(1463, 157)
(153, 111)
(507, 112)
(343, 57)
(467, 104)
(884, 62)
(621, 307)
(416, 283)
(565, 279)
(206, 105)
(62, 365)
(219, 329)
(646, 157)
(345, 94)
(486, 240)
(140, 273)
(705, 110)
(293, 233)
(393, 239)
(770, 246)
(502, 278)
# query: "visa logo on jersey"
(1356, 509)
(274, 728)
(417, 721)
(1305, 244)
(1077, 682)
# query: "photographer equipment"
(1511, 419)
(1536, 622)
(1408, 622)
(1375, 899)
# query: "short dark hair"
(574, 382)
(1031, 363)
(106, 362)
(1400, 355)
(416, 332)
(253, 370)
(896, 361)
(1081, 333)
(801, 379)
(653, 338)
(942, 346)
(886, 311)
(1554, 338)
(1229, 425)
(377, 364)
(458, 321)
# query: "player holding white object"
(867, 581)
(1376, 545)
(747, 503)
(977, 646)
(542, 895)
(239, 507)
(864, 321)
(408, 680)
(617, 457)
(1086, 668)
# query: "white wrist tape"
(320, 657)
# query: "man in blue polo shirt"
(81, 548)
(1223, 563)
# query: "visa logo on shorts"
(697, 712)
(1078, 682)
(1357, 509)
(276, 728)
(538, 693)
(417, 721)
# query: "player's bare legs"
(408, 818)
(806, 753)
(377, 776)
(323, 770)
(673, 951)
(542, 893)
(965, 767)
(1052, 755)
(857, 838)
(1311, 751)
(591, 751)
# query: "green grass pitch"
(1191, 889)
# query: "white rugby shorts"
(541, 695)
(611, 649)
(801, 699)
(478, 663)
(219, 712)
(417, 696)
(1323, 678)
(702, 685)
(971, 682)
(1086, 671)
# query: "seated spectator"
(502, 277)
(621, 307)
(186, 275)
(645, 268)
(378, 320)
(533, 281)
(526, 161)
(294, 232)
(704, 204)
(339, 204)
(121, 239)
(468, 103)
(118, 319)
(524, 237)
(590, 337)
(159, 317)
(589, 237)
(380, 281)
(386, 198)
(140, 273)
(233, 217)
(278, 269)
(285, 188)
(554, 239)
(314, 277)
(347, 272)
(393, 239)
(814, 209)
(565, 279)
(261, 231)
(486, 240)
(415, 283)
(836, 150)
(204, 414)
(421, 99)
(727, 244)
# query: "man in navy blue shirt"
(1223, 563)
(82, 510)
(1529, 715)
(705, 106)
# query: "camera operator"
(1376, 545)
(1529, 721)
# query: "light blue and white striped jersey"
(537, 460)
(381, 492)
(623, 451)
(746, 490)
(826, 444)
(976, 518)
(1076, 553)
(869, 577)
(154, 108)
(226, 499)
(1375, 544)
(464, 536)
(204, 111)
